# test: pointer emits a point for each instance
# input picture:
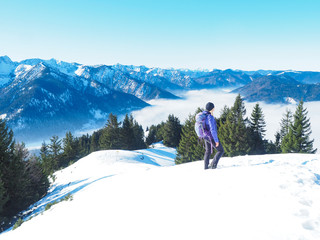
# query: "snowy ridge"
(126, 195)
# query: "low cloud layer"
(191, 100)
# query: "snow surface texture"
(128, 195)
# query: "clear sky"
(246, 34)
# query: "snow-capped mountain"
(306, 77)
(6, 70)
(118, 79)
(141, 195)
(111, 76)
(42, 101)
(226, 78)
(64, 67)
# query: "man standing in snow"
(212, 140)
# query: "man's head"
(210, 107)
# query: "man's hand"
(217, 144)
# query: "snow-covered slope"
(127, 195)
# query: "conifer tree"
(257, 126)
(16, 193)
(288, 141)
(277, 143)
(17, 181)
(51, 155)
(3, 199)
(45, 157)
(285, 124)
(127, 134)
(223, 116)
(95, 141)
(138, 134)
(234, 134)
(238, 110)
(160, 132)
(151, 138)
(172, 131)
(84, 145)
(6, 158)
(298, 138)
(6, 148)
(110, 137)
(227, 136)
(55, 148)
(155, 133)
(31, 184)
(70, 149)
(37, 182)
(189, 148)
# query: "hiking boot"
(214, 166)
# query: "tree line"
(24, 178)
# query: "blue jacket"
(212, 126)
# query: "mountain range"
(279, 88)
(39, 98)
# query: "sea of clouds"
(191, 100)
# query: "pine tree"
(234, 134)
(172, 131)
(151, 138)
(277, 143)
(270, 147)
(70, 149)
(257, 126)
(298, 138)
(189, 148)
(7, 178)
(6, 148)
(17, 182)
(3, 199)
(227, 136)
(84, 145)
(288, 141)
(160, 132)
(37, 182)
(45, 159)
(285, 124)
(127, 134)
(55, 149)
(257, 122)
(51, 155)
(95, 141)
(238, 110)
(223, 116)
(138, 134)
(16, 192)
(110, 137)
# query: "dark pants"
(208, 152)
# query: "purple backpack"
(200, 125)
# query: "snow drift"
(141, 195)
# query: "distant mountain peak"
(5, 59)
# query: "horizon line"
(164, 68)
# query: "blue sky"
(245, 34)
